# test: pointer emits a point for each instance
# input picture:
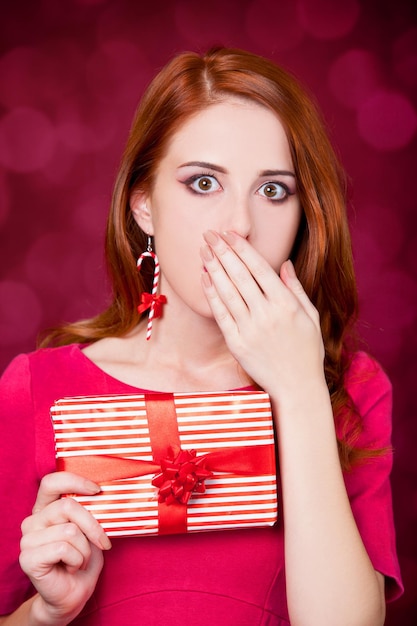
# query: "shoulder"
(51, 357)
(41, 360)
(370, 389)
(41, 369)
(366, 379)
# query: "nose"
(240, 217)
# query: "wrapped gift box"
(170, 463)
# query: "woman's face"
(227, 168)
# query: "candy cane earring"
(151, 301)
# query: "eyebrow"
(222, 170)
(205, 164)
(277, 173)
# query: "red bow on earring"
(149, 301)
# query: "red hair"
(322, 254)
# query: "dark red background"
(71, 74)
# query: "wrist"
(41, 614)
(295, 396)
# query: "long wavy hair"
(322, 254)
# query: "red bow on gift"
(149, 300)
(180, 476)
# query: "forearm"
(31, 613)
(330, 579)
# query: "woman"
(230, 174)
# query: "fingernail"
(206, 280)
(206, 253)
(229, 236)
(105, 542)
(290, 269)
(93, 487)
(211, 237)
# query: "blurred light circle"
(327, 19)
(354, 77)
(86, 127)
(61, 169)
(27, 140)
(54, 263)
(387, 121)
(20, 312)
(90, 212)
(262, 18)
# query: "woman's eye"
(274, 191)
(203, 184)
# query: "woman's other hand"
(269, 324)
(62, 548)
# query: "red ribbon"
(242, 460)
(177, 473)
(149, 300)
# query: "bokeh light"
(20, 312)
(387, 121)
(326, 19)
(354, 77)
(27, 140)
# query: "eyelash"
(288, 193)
(195, 177)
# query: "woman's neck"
(186, 352)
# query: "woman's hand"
(268, 321)
(61, 548)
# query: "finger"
(220, 312)
(222, 285)
(38, 561)
(265, 277)
(68, 510)
(58, 533)
(290, 279)
(242, 276)
(54, 485)
(62, 583)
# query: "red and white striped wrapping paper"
(120, 426)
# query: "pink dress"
(217, 578)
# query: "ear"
(140, 207)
